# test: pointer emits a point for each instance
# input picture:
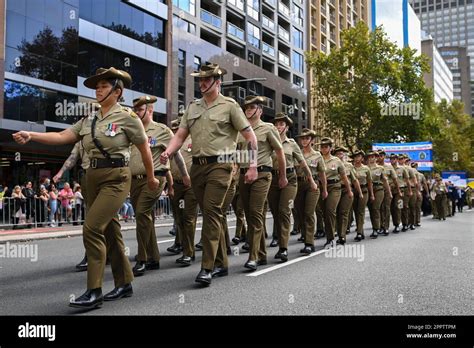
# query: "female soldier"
(281, 200)
(379, 182)
(335, 173)
(306, 199)
(365, 180)
(345, 203)
(107, 136)
(254, 194)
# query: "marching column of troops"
(218, 154)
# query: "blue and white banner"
(419, 152)
(458, 178)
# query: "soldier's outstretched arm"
(66, 136)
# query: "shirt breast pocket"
(220, 117)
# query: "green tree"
(452, 134)
(354, 82)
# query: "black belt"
(97, 163)
(332, 181)
(288, 171)
(306, 178)
(363, 185)
(213, 159)
(156, 172)
(378, 184)
(260, 169)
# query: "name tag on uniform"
(378, 173)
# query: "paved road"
(423, 272)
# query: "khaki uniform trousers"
(329, 209)
(374, 207)
(405, 209)
(185, 207)
(281, 201)
(419, 201)
(396, 206)
(305, 206)
(107, 189)
(385, 209)
(240, 229)
(412, 207)
(359, 210)
(343, 210)
(253, 197)
(210, 183)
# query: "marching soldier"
(107, 137)
(254, 194)
(345, 203)
(441, 196)
(416, 193)
(280, 199)
(380, 183)
(143, 199)
(364, 176)
(399, 202)
(184, 203)
(306, 199)
(424, 192)
(213, 122)
(238, 208)
(335, 173)
(391, 176)
(407, 193)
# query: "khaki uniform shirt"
(81, 152)
(126, 125)
(363, 174)
(315, 162)
(214, 127)
(402, 174)
(293, 154)
(188, 159)
(334, 168)
(377, 174)
(159, 136)
(421, 179)
(268, 140)
(390, 173)
(440, 188)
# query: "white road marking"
(269, 269)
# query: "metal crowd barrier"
(33, 213)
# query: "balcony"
(332, 17)
(323, 28)
(211, 19)
(272, 3)
(314, 41)
(332, 36)
(333, 3)
(239, 4)
(268, 50)
(283, 9)
(283, 33)
(323, 10)
(235, 31)
(323, 48)
(283, 58)
(268, 23)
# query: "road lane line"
(284, 264)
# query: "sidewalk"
(25, 235)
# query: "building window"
(254, 58)
(186, 5)
(181, 64)
(253, 9)
(184, 25)
(196, 67)
(147, 77)
(299, 81)
(42, 40)
(297, 38)
(25, 102)
(125, 19)
(297, 62)
(253, 35)
(237, 3)
(297, 15)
